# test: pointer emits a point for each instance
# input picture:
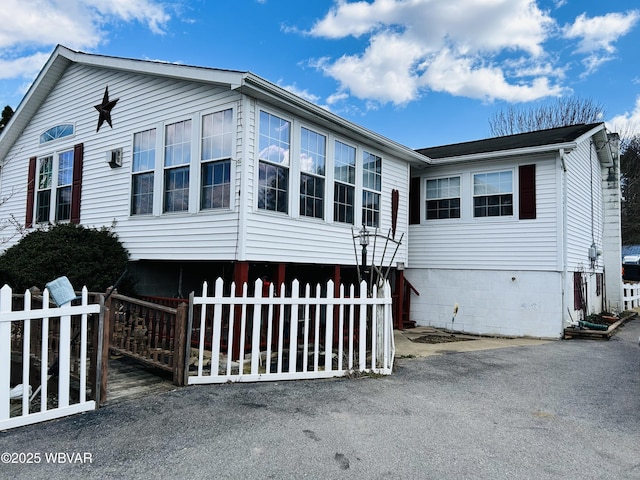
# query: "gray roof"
(552, 136)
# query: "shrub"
(89, 257)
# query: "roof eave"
(259, 88)
(567, 146)
(53, 69)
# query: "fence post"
(106, 343)
(5, 353)
(180, 344)
(95, 370)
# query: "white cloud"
(74, 23)
(28, 66)
(487, 49)
(404, 57)
(599, 33)
(463, 77)
(628, 123)
(300, 93)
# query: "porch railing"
(152, 334)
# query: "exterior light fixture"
(364, 241)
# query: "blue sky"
(421, 72)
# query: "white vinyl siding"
(492, 242)
(239, 232)
(584, 206)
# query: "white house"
(204, 173)
(201, 172)
(521, 232)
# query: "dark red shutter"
(414, 201)
(31, 189)
(395, 199)
(527, 190)
(76, 186)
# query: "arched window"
(59, 131)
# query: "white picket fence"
(631, 295)
(27, 388)
(290, 337)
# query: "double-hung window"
(345, 181)
(144, 163)
(177, 156)
(63, 188)
(493, 194)
(43, 190)
(443, 198)
(217, 145)
(273, 170)
(312, 171)
(371, 188)
(47, 189)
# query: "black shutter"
(414, 201)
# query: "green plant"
(89, 257)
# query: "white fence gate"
(265, 337)
(18, 324)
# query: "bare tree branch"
(558, 113)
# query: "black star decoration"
(105, 109)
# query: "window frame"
(61, 131)
(61, 190)
(177, 172)
(223, 161)
(499, 205)
(344, 184)
(41, 189)
(268, 167)
(150, 171)
(443, 198)
(371, 217)
(313, 184)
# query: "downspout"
(565, 307)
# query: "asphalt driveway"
(563, 409)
